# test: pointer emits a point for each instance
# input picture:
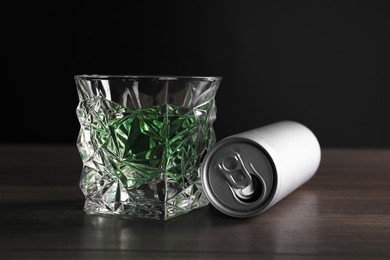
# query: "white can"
(247, 173)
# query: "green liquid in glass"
(143, 162)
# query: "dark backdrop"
(321, 63)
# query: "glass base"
(178, 205)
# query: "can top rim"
(214, 197)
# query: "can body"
(247, 173)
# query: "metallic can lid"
(238, 177)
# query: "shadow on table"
(205, 230)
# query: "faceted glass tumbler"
(142, 141)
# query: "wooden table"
(343, 212)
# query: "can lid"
(238, 177)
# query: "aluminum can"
(246, 174)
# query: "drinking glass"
(142, 141)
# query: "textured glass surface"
(142, 140)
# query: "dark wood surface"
(343, 213)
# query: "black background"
(325, 64)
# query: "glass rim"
(145, 77)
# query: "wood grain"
(343, 213)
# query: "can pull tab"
(233, 168)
